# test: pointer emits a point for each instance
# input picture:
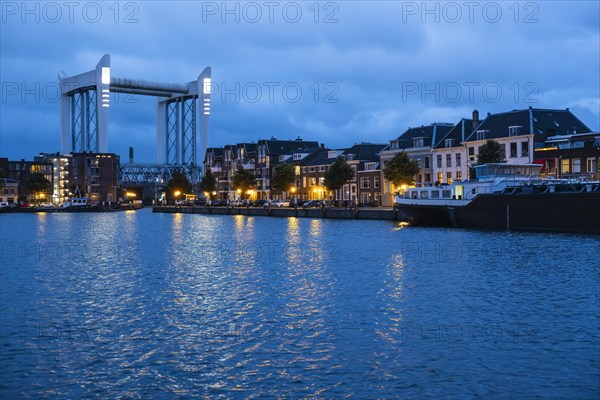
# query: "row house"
(270, 153)
(520, 132)
(450, 162)
(418, 144)
(213, 160)
(364, 187)
(575, 155)
(260, 158)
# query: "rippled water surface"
(142, 305)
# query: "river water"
(142, 305)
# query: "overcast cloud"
(366, 70)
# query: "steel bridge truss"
(156, 174)
(84, 121)
(181, 131)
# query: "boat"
(133, 205)
(505, 196)
(79, 204)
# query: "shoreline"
(386, 214)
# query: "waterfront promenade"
(388, 214)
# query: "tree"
(283, 177)
(401, 170)
(38, 183)
(243, 180)
(178, 183)
(208, 182)
(491, 152)
(338, 174)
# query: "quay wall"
(333, 213)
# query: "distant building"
(9, 190)
(95, 175)
(21, 171)
(60, 175)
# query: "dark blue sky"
(337, 72)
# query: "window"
(576, 165)
(513, 149)
(446, 194)
(312, 169)
(440, 177)
(459, 175)
(435, 194)
(418, 142)
(449, 177)
(565, 166)
(312, 181)
(321, 168)
(514, 130)
(472, 153)
(591, 165)
(365, 183)
(427, 162)
(297, 157)
(376, 182)
(448, 160)
(439, 160)
(525, 149)
(304, 170)
(370, 166)
(458, 159)
(482, 135)
(424, 194)
(428, 178)
(449, 142)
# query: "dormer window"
(418, 142)
(482, 134)
(514, 130)
(297, 156)
(349, 157)
(370, 166)
(449, 142)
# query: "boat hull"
(556, 212)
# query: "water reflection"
(203, 310)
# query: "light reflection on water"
(145, 305)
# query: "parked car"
(46, 205)
(313, 204)
(260, 203)
(24, 204)
(278, 203)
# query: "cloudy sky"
(339, 72)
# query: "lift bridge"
(181, 111)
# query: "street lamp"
(177, 193)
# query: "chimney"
(131, 154)
(475, 118)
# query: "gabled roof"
(540, 122)
(458, 133)
(250, 147)
(277, 147)
(431, 135)
(318, 157)
(217, 151)
(365, 151)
